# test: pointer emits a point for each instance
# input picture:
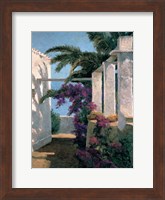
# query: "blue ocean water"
(62, 110)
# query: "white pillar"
(97, 90)
(109, 89)
(125, 79)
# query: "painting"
(82, 99)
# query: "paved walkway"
(60, 153)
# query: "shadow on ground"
(60, 153)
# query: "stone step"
(64, 135)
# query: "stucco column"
(124, 53)
(97, 90)
(109, 89)
(125, 85)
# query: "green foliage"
(50, 93)
(122, 157)
(64, 49)
(83, 115)
(119, 149)
(104, 42)
(126, 140)
(74, 57)
(55, 121)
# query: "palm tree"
(104, 43)
(86, 61)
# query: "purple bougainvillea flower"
(80, 97)
(108, 163)
(92, 106)
(60, 101)
(102, 121)
(83, 154)
(84, 93)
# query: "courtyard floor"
(60, 153)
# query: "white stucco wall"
(66, 124)
(41, 113)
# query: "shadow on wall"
(41, 120)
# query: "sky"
(42, 41)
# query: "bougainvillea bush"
(80, 97)
(102, 151)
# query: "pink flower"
(102, 121)
(93, 140)
(92, 106)
(116, 144)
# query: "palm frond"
(64, 59)
(84, 58)
(64, 48)
(61, 65)
(104, 43)
(50, 93)
(101, 41)
(60, 57)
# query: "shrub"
(92, 158)
(55, 120)
(104, 152)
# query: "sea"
(62, 110)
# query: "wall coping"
(37, 52)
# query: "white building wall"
(41, 113)
(66, 124)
